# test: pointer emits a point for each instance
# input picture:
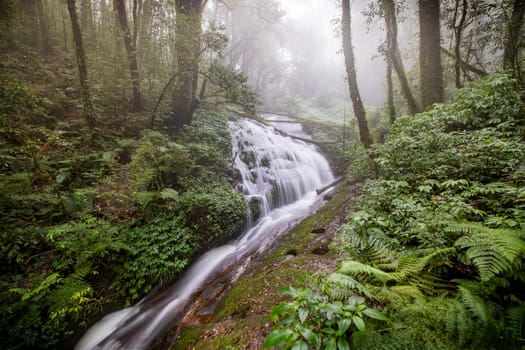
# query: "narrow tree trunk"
(394, 55)
(47, 47)
(390, 93)
(86, 19)
(31, 31)
(431, 73)
(458, 30)
(89, 112)
(359, 110)
(136, 101)
(514, 36)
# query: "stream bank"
(241, 318)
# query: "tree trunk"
(431, 73)
(390, 93)
(394, 54)
(514, 36)
(89, 112)
(458, 30)
(359, 110)
(31, 32)
(136, 101)
(187, 45)
(47, 47)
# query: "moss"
(243, 314)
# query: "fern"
(71, 297)
(341, 286)
(357, 268)
(515, 323)
(491, 251)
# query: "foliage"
(214, 214)
(156, 252)
(311, 320)
(159, 162)
(233, 87)
(439, 241)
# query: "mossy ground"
(242, 319)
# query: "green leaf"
(303, 314)
(330, 344)
(278, 310)
(277, 337)
(376, 315)
(300, 345)
(342, 344)
(343, 326)
(359, 323)
(310, 336)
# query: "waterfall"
(279, 178)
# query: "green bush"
(214, 214)
(156, 252)
(159, 162)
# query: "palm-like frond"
(491, 251)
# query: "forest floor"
(241, 319)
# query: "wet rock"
(322, 250)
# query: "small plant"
(311, 320)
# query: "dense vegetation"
(91, 222)
(438, 243)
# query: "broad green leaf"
(330, 344)
(310, 336)
(279, 309)
(343, 326)
(300, 345)
(359, 323)
(303, 314)
(342, 344)
(376, 315)
(277, 337)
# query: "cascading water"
(279, 176)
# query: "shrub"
(214, 214)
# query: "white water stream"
(280, 176)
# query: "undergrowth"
(439, 241)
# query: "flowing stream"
(279, 179)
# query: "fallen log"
(335, 182)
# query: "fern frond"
(475, 305)
(343, 286)
(515, 323)
(400, 295)
(431, 284)
(354, 268)
(408, 265)
(492, 251)
(436, 258)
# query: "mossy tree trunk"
(359, 110)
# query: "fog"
(291, 51)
